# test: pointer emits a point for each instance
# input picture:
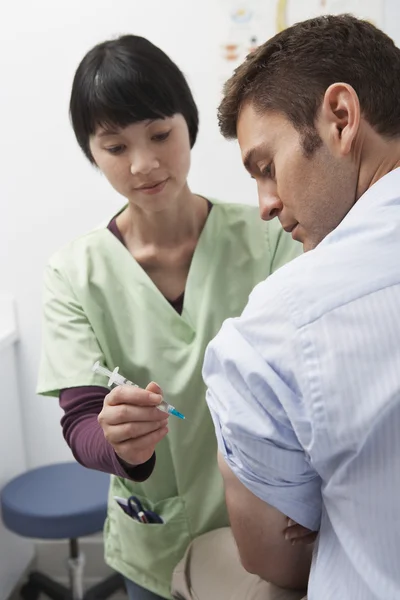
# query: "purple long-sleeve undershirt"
(84, 435)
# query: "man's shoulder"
(322, 280)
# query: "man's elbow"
(251, 563)
(289, 574)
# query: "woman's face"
(147, 162)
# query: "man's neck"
(378, 157)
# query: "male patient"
(304, 387)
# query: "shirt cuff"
(137, 473)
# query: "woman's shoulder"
(235, 211)
(246, 217)
(244, 220)
(234, 207)
(80, 250)
(87, 244)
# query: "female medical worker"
(147, 292)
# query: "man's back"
(352, 321)
(310, 423)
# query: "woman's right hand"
(131, 422)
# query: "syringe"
(115, 378)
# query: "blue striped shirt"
(304, 391)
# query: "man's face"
(301, 179)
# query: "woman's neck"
(177, 224)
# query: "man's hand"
(297, 534)
(131, 422)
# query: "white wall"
(48, 193)
(15, 552)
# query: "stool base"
(38, 583)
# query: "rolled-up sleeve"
(255, 377)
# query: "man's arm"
(261, 395)
(258, 529)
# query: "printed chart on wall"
(251, 22)
(289, 12)
(247, 24)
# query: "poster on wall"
(289, 12)
(249, 23)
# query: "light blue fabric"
(135, 592)
(304, 391)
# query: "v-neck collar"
(197, 270)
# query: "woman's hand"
(131, 422)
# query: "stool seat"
(60, 501)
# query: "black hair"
(124, 81)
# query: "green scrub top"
(100, 305)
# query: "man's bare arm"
(259, 531)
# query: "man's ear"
(340, 117)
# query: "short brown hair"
(291, 72)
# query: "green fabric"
(99, 304)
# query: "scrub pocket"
(150, 547)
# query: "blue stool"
(62, 501)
